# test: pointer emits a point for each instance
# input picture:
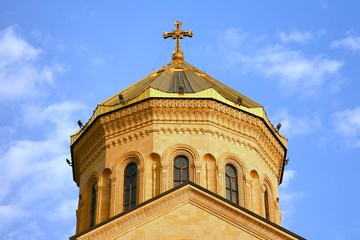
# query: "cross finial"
(178, 34)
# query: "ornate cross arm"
(178, 34)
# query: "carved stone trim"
(271, 200)
(184, 151)
(240, 177)
(119, 169)
(86, 199)
(125, 125)
(144, 133)
(213, 205)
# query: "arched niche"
(155, 160)
(119, 170)
(269, 202)
(255, 192)
(210, 172)
(235, 161)
(104, 192)
(84, 208)
(167, 164)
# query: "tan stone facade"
(178, 155)
(188, 212)
(151, 133)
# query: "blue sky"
(299, 59)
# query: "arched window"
(266, 204)
(231, 183)
(181, 170)
(130, 183)
(93, 205)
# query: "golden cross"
(178, 34)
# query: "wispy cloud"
(35, 179)
(95, 58)
(347, 124)
(288, 197)
(288, 176)
(295, 36)
(233, 37)
(293, 70)
(21, 75)
(350, 42)
(347, 229)
(48, 41)
(295, 126)
(34, 175)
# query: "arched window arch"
(181, 170)
(231, 180)
(93, 205)
(130, 185)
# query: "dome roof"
(182, 78)
(178, 80)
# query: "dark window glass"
(93, 206)
(266, 204)
(231, 183)
(181, 170)
(228, 194)
(130, 182)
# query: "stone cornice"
(134, 122)
(189, 193)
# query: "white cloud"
(11, 213)
(6, 132)
(64, 211)
(36, 183)
(35, 115)
(294, 71)
(347, 124)
(93, 57)
(13, 49)
(21, 75)
(47, 40)
(27, 231)
(288, 176)
(295, 36)
(37, 180)
(291, 69)
(97, 61)
(233, 37)
(292, 126)
(350, 43)
(288, 197)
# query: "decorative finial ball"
(178, 56)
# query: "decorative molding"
(132, 123)
(203, 131)
(240, 177)
(119, 168)
(215, 206)
(169, 157)
(266, 183)
(84, 203)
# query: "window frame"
(93, 205)
(266, 204)
(233, 180)
(130, 200)
(177, 168)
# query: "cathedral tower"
(179, 155)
